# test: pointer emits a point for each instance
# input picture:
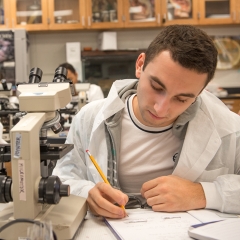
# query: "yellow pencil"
(100, 171)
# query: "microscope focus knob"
(64, 190)
(51, 190)
(5, 189)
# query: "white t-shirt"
(146, 152)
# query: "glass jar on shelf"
(29, 12)
(142, 10)
(179, 9)
(104, 10)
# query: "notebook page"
(206, 215)
(146, 224)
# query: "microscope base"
(66, 218)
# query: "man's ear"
(139, 65)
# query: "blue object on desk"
(203, 224)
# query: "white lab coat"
(210, 153)
(94, 93)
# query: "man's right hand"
(101, 200)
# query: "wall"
(47, 50)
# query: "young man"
(162, 138)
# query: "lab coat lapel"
(98, 149)
(199, 148)
(97, 144)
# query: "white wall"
(48, 50)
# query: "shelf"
(108, 55)
(29, 13)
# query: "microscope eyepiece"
(4, 84)
(60, 74)
(35, 75)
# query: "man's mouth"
(155, 116)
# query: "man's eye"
(156, 87)
(181, 100)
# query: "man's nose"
(162, 106)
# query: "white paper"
(146, 224)
(73, 51)
(206, 215)
(73, 55)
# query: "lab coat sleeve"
(72, 167)
(224, 193)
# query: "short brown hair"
(191, 47)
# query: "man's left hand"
(172, 193)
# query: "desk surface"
(94, 228)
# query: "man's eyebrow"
(158, 81)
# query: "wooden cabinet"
(217, 11)
(202, 12)
(104, 14)
(35, 15)
(29, 14)
(66, 14)
(180, 12)
(238, 11)
(142, 13)
(4, 14)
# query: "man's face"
(72, 76)
(165, 90)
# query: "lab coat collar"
(195, 157)
(117, 95)
(180, 125)
(115, 100)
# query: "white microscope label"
(18, 143)
(21, 179)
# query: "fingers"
(108, 210)
(150, 188)
(164, 208)
(172, 193)
(101, 200)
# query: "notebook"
(220, 230)
(145, 224)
